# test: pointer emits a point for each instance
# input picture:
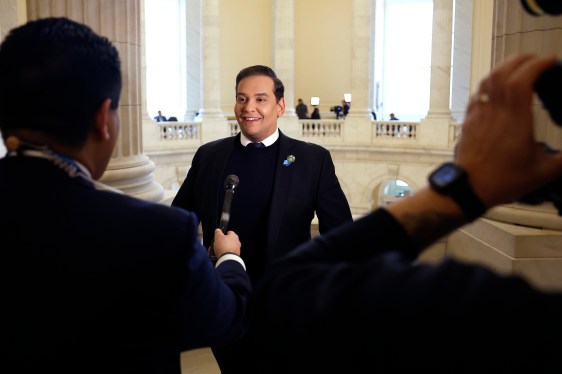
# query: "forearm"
(427, 216)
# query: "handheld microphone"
(542, 7)
(230, 184)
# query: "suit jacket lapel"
(281, 188)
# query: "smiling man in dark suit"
(283, 183)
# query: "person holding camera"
(355, 299)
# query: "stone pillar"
(129, 169)
(361, 63)
(150, 130)
(193, 58)
(461, 59)
(359, 118)
(284, 49)
(211, 116)
(434, 129)
(210, 38)
(481, 56)
(441, 47)
(284, 61)
(8, 20)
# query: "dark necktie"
(256, 145)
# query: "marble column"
(362, 45)
(210, 45)
(193, 59)
(8, 16)
(441, 48)
(461, 59)
(283, 15)
(8, 20)
(211, 115)
(129, 169)
(361, 59)
(481, 55)
(434, 128)
(284, 49)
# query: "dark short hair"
(278, 87)
(54, 75)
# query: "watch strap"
(458, 189)
(469, 202)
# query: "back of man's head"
(54, 75)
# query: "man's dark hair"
(278, 88)
(54, 75)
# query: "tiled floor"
(199, 361)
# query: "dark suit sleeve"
(185, 198)
(355, 298)
(332, 207)
(215, 300)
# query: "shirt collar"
(267, 141)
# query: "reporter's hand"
(229, 243)
(497, 146)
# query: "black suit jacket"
(355, 301)
(99, 282)
(308, 186)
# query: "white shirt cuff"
(230, 256)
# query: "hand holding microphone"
(230, 184)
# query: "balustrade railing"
(179, 130)
(233, 127)
(396, 130)
(329, 130)
(324, 128)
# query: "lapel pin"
(290, 159)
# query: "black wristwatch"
(452, 180)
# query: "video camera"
(549, 90)
(336, 109)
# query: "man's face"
(256, 108)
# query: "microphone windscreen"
(231, 182)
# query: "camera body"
(549, 89)
(551, 192)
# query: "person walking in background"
(393, 117)
(284, 183)
(94, 281)
(345, 108)
(356, 300)
(301, 109)
(315, 114)
(160, 117)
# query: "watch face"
(445, 175)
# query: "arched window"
(394, 190)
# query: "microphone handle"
(225, 215)
(225, 218)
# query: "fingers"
(513, 78)
(510, 83)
